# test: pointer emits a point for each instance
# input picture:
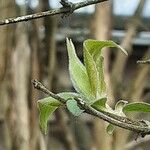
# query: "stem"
(63, 10)
(119, 121)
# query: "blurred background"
(36, 49)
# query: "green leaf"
(137, 107)
(110, 129)
(67, 95)
(100, 104)
(100, 68)
(119, 107)
(94, 68)
(78, 74)
(94, 64)
(95, 46)
(46, 107)
(73, 107)
(91, 71)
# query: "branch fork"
(67, 4)
(68, 7)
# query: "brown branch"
(119, 121)
(70, 8)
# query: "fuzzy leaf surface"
(94, 64)
(73, 107)
(78, 74)
(110, 129)
(48, 105)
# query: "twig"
(63, 10)
(143, 61)
(122, 122)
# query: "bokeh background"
(36, 49)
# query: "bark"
(50, 24)
(65, 130)
(52, 49)
(34, 95)
(20, 73)
(5, 51)
(102, 32)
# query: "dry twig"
(67, 8)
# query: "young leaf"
(119, 107)
(46, 107)
(67, 95)
(137, 107)
(94, 67)
(95, 46)
(73, 107)
(110, 129)
(100, 68)
(91, 71)
(100, 104)
(78, 74)
(94, 64)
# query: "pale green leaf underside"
(73, 107)
(48, 105)
(110, 129)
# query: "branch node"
(37, 85)
(67, 4)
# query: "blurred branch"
(66, 9)
(133, 91)
(66, 130)
(143, 61)
(133, 144)
(121, 59)
(123, 122)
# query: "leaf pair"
(88, 79)
(48, 105)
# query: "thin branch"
(123, 122)
(143, 61)
(70, 8)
